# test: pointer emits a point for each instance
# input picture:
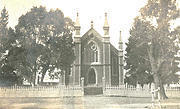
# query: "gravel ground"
(86, 102)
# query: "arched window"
(94, 52)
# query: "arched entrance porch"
(91, 77)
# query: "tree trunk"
(45, 68)
(162, 91)
(66, 77)
(158, 83)
(34, 78)
(42, 78)
(43, 75)
(155, 65)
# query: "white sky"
(120, 13)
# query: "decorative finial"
(106, 21)
(77, 20)
(120, 37)
(92, 24)
(120, 42)
(105, 14)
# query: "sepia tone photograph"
(89, 54)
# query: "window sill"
(95, 63)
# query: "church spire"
(77, 37)
(106, 26)
(120, 42)
(77, 25)
(106, 21)
(120, 37)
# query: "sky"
(121, 13)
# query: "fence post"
(153, 97)
(82, 84)
(152, 87)
(138, 87)
(103, 84)
(159, 97)
(126, 85)
(153, 92)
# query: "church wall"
(77, 50)
(106, 61)
(114, 69)
(101, 53)
(71, 79)
(107, 65)
(86, 52)
(94, 51)
(76, 71)
(77, 75)
(107, 53)
(87, 61)
(121, 70)
(84, 72)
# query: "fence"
(59, 91)
(129, 91)
(41, 91)
(172, 91)
(124, 90)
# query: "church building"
(97, 60)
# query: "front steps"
(93, 90)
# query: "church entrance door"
(92, 88)
(91, 77)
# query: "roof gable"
(91, 33)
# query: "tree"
(3, 29)
(3, 22)
(46, 42)
(7, 74)
(138, 68)
(154, 42)
(138, 78)
(66, 53)
(30, 31)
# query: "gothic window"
(94, 52)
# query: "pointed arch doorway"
(91, 77)
(92, 87)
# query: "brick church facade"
(96, 58)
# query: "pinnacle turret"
(77, 26)
(106, 26)
(106, 21)
(120, 42)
